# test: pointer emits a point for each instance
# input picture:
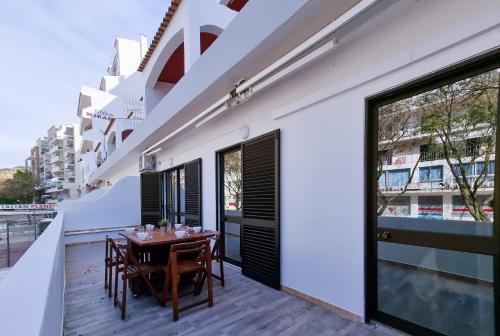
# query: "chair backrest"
(108, 248)
(115, 247)
(199, 250)
(217, 248)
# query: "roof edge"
(174, 4)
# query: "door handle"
(384, 235)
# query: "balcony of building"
(57, 139)
(53, 187)
(238, 307)
(57, 170)
(70, 298)
(69, 164)
(69, 143)
(56, 159)
(69, 179)
(56, 148)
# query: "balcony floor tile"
(242, 307)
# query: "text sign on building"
(26, 206)
(99, 114)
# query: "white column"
(191, 36)
(447, 205)
(414, 205)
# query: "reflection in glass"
(172, 196)
(182, 195)
(447, 291)
(232, 183)
(232, 241)
(436, 174)
(437, 149)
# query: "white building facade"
(110, 113)
(275, 105)
(246, 86)
(57, 172)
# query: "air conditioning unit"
(147, 163)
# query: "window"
(475, 169)
(430, 207)
(431, 174)
(399, 207)
(461, 212)
(176, 206)
(394, 178)
(385, 157)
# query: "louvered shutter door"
(150, 198)
(192, 178)
(260, 243)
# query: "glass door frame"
(220, 201)
(464, 243)
(166, 191)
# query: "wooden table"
(157, 249)
(169, 238)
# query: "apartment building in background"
(420, 182)
(34, 164)
(38, 165)
(53, 163)
(110, 113)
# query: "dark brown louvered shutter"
(260, 243)
(192, 177)
(150, 198)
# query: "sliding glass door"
(433, 235)
(231, 203)
(174, 195)
(181, 193)
(249, 207)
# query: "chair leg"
(166, 284)
(221, 262)
(209, 285)
(106, 266)
(124, 297)
(175, 297)
(110, 277)
(116, 286)
(106, 272)
(200, 279)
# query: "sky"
(48, 50)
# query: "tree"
(232, 177)
(397, 127)
(18, 189)
(462, 118)
(455, 122)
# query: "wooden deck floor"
(242, 307)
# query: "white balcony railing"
(39, 274)
(43, 264)
(55, 149)
(56, 158)
(126, 126)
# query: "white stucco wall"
(32, 293)
(130, 170)
(321, 114)
(117, 207)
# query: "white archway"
(111, 143)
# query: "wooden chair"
(111, 260)
(133, 269)
(107, 267)
(193, 257)
(217, 255)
